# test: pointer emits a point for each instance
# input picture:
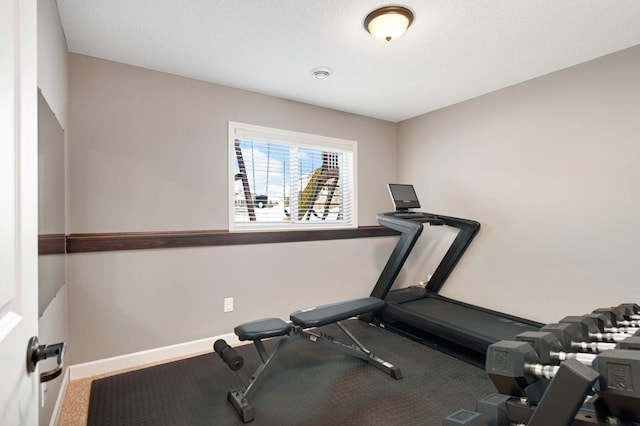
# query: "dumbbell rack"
(566, 392)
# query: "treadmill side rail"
(410, 231)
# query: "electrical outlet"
(228, 304)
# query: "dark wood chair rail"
(51, 243)
(85, 243)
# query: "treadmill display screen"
(404, 196)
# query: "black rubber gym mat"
(310, 385)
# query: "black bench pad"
(262, 329)
(318, 316)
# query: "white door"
(18, 210)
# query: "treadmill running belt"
(458, 323)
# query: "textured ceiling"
(455, 49)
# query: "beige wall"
(52, 59)
(551, 169)
(148, 152)
(123, 302)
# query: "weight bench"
(301, 320)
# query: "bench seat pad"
(262, 329)
(318, 316)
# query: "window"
(288, 180)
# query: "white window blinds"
(288, 180)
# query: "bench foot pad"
(241, 405)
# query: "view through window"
(289, 180)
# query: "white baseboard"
(136, 359)
(57, 409)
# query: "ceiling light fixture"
(321, 73)
(389, 22)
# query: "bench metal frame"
(240, 397)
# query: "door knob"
(37, 352)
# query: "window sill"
(85, 243)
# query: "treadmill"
(420, 311)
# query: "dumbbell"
(513, 366)
(617, 318)
(515, 370)
(625, 338)
(550, 350)
(618, 385)
(630, 311)
(627, 311)
(594, 326)
(572, 339)
(609, 323)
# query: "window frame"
(246, 131)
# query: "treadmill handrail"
(410, 231)
(468, 230)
